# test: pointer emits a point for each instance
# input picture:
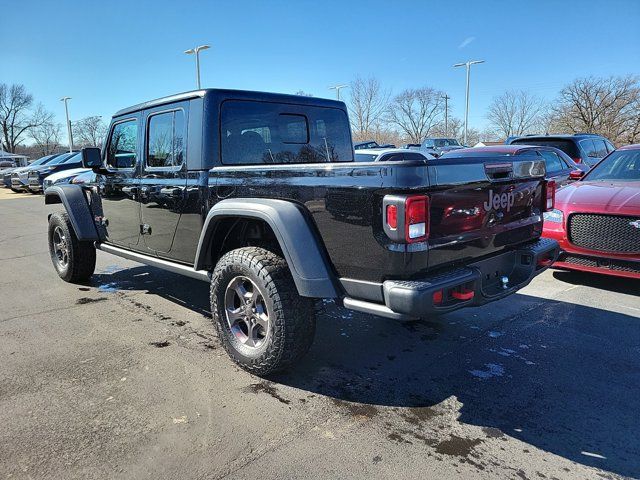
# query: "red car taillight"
(392, 216)
(416, 224)
(406, 218)
(550, 195)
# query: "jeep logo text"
(497, 201)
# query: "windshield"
(72, 158)
(41, 161)
(59, 160)
(446, 142)
(623, 165)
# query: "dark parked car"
(560, 168)
(37, 175)
(584, 148)
(231, 187)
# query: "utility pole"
(446, 114)
(337, 88)
(69, 133)
(197, 51)
(466, 110)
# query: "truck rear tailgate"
(481, 205)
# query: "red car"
(596, 220)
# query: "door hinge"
(145, 229)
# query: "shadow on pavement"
(628, 286)
(560, 376)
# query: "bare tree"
(607, 106)
(515, 113)
(46, 137)
(16, 118)
(302, 93)
(455, 129)
(89, 132)
(415, 111)
(632, 130)
(367, 105)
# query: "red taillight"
(437, 297)
(577, 160)
(392, 216)
(550, 195)
(416, 221)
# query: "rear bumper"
(475, 284)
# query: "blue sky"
(109, 55)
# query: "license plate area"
(503, 272)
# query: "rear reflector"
(550, 195)
(437, 297)
(545, 262)
(415, 218)
(392, 216)
(463, 294)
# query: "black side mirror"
(91, 157)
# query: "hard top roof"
(224, 94)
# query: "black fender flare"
(75, 202)
(307, 260)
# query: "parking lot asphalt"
(124, 378)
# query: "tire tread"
(294, 316)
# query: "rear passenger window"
(589, 148)
(600, 148)
(552, 162)
(610, 147)
(165, 140)
(261, 132)
(123, 143)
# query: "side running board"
(156, 262)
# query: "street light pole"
(196, 51)
(337, 88)
(66, 109)
(446, 114)
(466, 111)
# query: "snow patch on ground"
(108, 287)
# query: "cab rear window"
(264, 133)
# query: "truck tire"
(75, 261)
(262, 322)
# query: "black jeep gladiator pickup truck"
(259, 195)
